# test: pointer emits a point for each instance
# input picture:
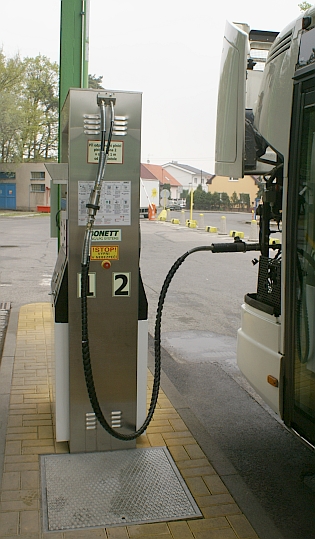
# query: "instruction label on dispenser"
(115, 154)
(115, 203)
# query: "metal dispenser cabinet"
(117, 309)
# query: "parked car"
(176, 207)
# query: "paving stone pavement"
(29, 433)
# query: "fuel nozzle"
(238, 246)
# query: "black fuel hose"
(237, 246)
(89, 374)
(157, 346)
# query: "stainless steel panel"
(112, 321)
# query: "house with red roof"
(156, 172)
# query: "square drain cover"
(114, 488)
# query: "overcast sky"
(169, 50)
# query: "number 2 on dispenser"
(121, 284)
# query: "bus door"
(299, 375)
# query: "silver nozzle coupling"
(87, 245)
(93, 204)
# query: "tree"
(244, 200)
(10, 120)
(29, 105)
(208, 201)
(215, 202)
(225, 201)
(40, 105)
(198, 198)
(96, 82)
(234, 200)
(11, 77)
(11, 72)
(304, 6)
(28, 109)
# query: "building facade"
(189, 177)
(222, 184)
(24, 187)
(157, 172)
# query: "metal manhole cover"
(115, 488)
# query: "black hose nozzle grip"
(236, 247)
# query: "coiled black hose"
(157, 348)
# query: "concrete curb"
(6, 370)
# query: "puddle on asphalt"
(196, 347)
(200, 347)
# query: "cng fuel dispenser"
(100, 307)
(99, 301)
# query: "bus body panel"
(275, 344)
(258, 353)
(272, 115)
(231, 104)
(274, 101)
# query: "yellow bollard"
(191, 223)
(234, 233)
(222, 229)
(162, 216)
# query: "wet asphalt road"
(200, 319)
(28, 256)
(267, 469)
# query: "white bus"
(266, 127)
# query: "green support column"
(85, 44)
(73, 46)
(73, 68)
